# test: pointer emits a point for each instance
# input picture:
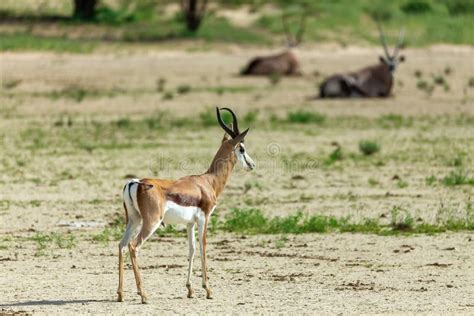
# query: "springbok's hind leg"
(136, 272)
(120, 286)
(192, 249)
(202, 228)
(146, 231)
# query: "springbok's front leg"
(202, 228)
(192, 249)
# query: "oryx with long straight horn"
(372, 81)
(189, 200)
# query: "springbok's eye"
(242, 150)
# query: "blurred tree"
(193, 12)
(84, 9)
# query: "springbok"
(370, 82)
(189, 200)
(284, 63)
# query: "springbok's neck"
(221, 168)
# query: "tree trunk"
(193, 13)
(84, 9)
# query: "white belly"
(177, 214)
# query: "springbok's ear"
(239, 138)
(226, 137)
(402, 58)
(382, 59)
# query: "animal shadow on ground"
(53, 302)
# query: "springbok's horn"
(235, 124)
(224, 126)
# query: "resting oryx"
(189, 200)
(372, 81)
(284, 63)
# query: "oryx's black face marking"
(392, 62)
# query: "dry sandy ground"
(330, 273)
(136, 73)
(312, 274)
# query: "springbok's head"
(236, 139)
(394, 59)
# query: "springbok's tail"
(132, 212)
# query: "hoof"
(120, 297)
(208, 293)
(144, 298)
(190, 293)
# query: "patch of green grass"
(253, 221)
(305, 117)
(395, 121)
(416, 7)
(366, 226)
(10, 83)
(300, 161)
(423, 85)
(458, 177)
(168, 95)
(217, 29)
(76, 93)
(346, 21)
(245, 221)
(109, 234)
(430, 180)
(220, 90)
(29, 42)
(125, 12)
(250, 117)
(439, 80)
(457, 161)
(459, 7)
(213, 29)
(274, 79)
(249, 185)
(160, 84)
(342, 21)
(470, 82)
(4, 205)
(401, 220)
(281, 242)
(402, 184)
(183, 89)
(45, 241)
(369, 147)
(448, 70)
(335, 155)
(372, 182)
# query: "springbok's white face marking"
(243, 157)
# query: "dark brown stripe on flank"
(183, 200)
